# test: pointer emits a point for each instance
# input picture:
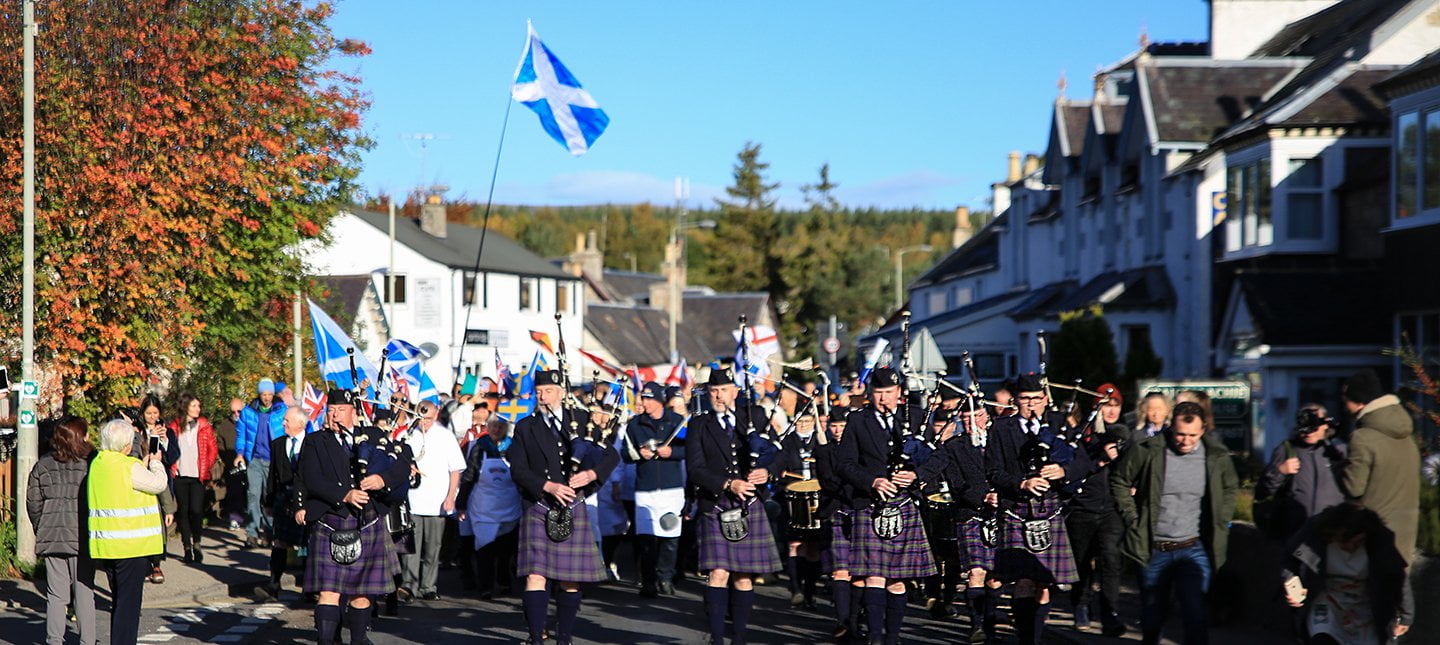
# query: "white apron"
(652, 505)
(494, 502)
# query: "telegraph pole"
(28, 448)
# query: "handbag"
(559, 523)
(735, 524)
(887, 523)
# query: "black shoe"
(404, 595)
(810, 604)
(1082, 617)
(430, 595)
(978, 635)
(796, 599)
(666, 588)
(1113, 626)
(648, 592)
(199, 555)
(269, 591)
(189, 555)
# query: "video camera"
(1309, 420)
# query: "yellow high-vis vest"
(124, 522)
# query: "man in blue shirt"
(261, 421)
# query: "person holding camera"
(1303, 477)
(124, 521)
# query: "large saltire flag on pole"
(404, 358)
(331, 344)
(566, 111)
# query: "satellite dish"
(430, 349)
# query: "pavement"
(216, 602)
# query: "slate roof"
(1421, 74)
(344, 293)
(1330, 29)
(1196, 103)
(711, 317)
(1143, 288)
(634, 287)
(1299, 308)
(1042, 300)
(457, 249)
(980, 252)
(640, 335)
(891, 329)
(1074, 118)
(1353, 101)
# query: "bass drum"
(940, 513)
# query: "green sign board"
(27, 418)
(1229, 403)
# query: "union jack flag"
(314, 405)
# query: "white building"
(441, 302)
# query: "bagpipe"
(764, 447)
(375, 453)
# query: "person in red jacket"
(191, 472)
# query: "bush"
(1428, 538)
(1245, 505)
(10, 565)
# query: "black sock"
(978, 601)
(1023, 611)
(358, 622)
(716, 599)
(840, 594)
(277, 565)
(537, 603)
(809, 575)
(894, 617)
(857, 603)
(875, 611)
(992, 604)
(567, 606)
(741, 602)
(300, 577)
(327, 620)
(1041, 613)
(792, 567)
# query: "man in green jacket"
(1383, 472)
(1178, 517)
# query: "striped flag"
(314, 405)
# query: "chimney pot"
(962, 232)
(1032, 164)
(1012, 172)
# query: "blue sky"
(912, 103)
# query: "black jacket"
(658, 473)
(864, 453)
(327, 472)
(965, 472)
(538, 455)
(281, 484)
(1388, 585)
(714, 455)
(1005, 469)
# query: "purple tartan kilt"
(372, 575)
(1013, 561)
(907, 557)
(756, 554)
(574, 560)
(835, 553)
(973, 551)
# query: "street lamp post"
(28, 440)
(677, 242)
(900, 268)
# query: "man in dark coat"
(557, 459)
(347, 473)
(728, 464)
(1029, 463)
(659, 458)
(878, 457)
(976, 517)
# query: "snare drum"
(940, 513)
(802, 500)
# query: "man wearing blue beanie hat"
(261, 421)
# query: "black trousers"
(1096, 536)
(189, 509)
(657, 559)
(127, 584)
(942, 586)
(495, 562)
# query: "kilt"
(1013, 561)
(907, 557)
(835, 553)
(756, 554)
(973, 550)
(372, 575)
(574, 560)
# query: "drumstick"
(790, 474)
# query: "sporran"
(559, 523)
(887, 523)
(735, 524)
(1037, 535)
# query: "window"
(1407, 158)
(936, 303)
(527, 287)
(399, 289)
(562, 297)
(1305, 200)
(964, 296)
(467, 288)
(1430, 163)
(1248, 188)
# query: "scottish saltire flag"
(405, 359)
(874, 358)
(314, 406)
(331, 344)
(758, 369)
(566, 111)
(618, 397)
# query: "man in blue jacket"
(261, 421)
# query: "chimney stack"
(1012, 173)
(1032, 164)
(963, 231)
(432, 213)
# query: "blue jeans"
(1186, 572)
(257, 472)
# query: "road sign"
(831, 345)
(1229, 404)
(29, 390)
(27, 418)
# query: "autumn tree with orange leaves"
(183, 149)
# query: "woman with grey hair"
(125, 524)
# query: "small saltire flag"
(566, 111)
(405, 359)
(874, 358)
(331, 344)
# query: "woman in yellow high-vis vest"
(125, 524)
